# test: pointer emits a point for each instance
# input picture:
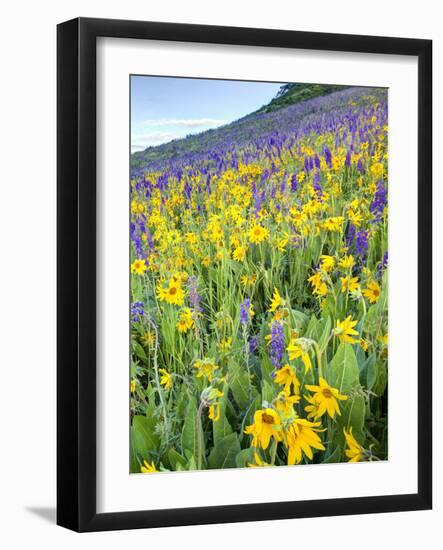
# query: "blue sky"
(164, 108)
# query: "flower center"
(327, 392)
(172, 290)
(267, 418)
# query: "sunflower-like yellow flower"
(287, 377)
(327, 263)
(186, 320)
(285, 402)
(173, 293)
(267, 425)
(276, 302)
(312, 408)
(205, 368)
(138, 267)
(354, 451)
(258, 234)
(326, 397)
(347, 262)
(166, 379)
(349, 283)
(345, 330)
(239, 253)
(214, 407)
(248, 281)
(133, 385)
(318, 284)
(333, 224)
(147, 468)
(301, 437)
(372, 292)
(295, 350)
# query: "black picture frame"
(76, 279)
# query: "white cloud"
(141, 141)
(187, 122)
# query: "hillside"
(286, 112)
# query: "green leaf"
(364, 367)
(190, 436)
(382, 379)
(244, 457)
(224, 453)
(239, 384)
(353, 416)
(139, 351)
(343, 372)
(175, 459)
(325, 334)
(144, 440)
(268, 391)
(314, 329)
(334, 457)
(221, 428)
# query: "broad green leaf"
(224, 453)
(144, 440)
(334, 457)
(244, 457)
(240, 386)
(176, 459)
(343, 372)
(192, 440)
(325, 334)
(353, 416)
(268, 391)
(382, 379)
(314, 329)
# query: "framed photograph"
(244, 274)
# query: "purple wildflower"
(245, 308)
(361, 243)
(379, 202)
(253, 344)
(137, 311)
(277, 344)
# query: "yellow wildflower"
(287, 377)
(372, 292)
(258, 234)
(267, 425)
(147, 468)
(349, 283)
(138, 267)
(345, 330)
(295, 350)
(276, 302)
(354, 451)
(325, 396)
(166, 379)
(301, 438)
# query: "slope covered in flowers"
(259, 290)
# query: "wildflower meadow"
(259, 289)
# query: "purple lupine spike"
(378, 205)
(137, 311)
(350, 235)
(277, 344)
(361, 243)
(253, 344)
(244, 311)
